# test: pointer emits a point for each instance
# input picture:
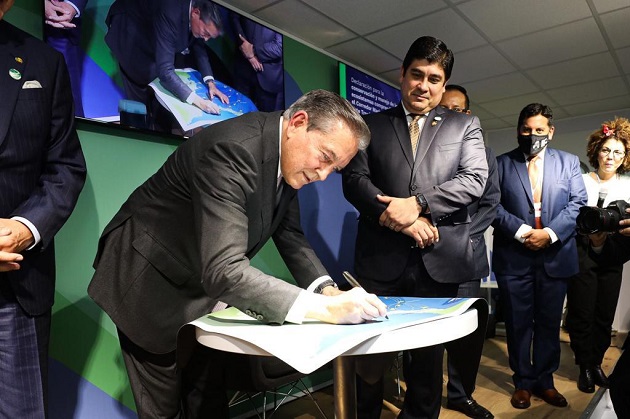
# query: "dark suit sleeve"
(224, 180)
(166, 27)
(489, 201)
(51, 202)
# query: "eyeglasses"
(617, 154)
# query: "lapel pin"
(436, 119)
(19, 60)
(15, 74)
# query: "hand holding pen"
(355, 284)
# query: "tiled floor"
(494, 389)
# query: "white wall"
(571, 135)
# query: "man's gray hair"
(325, 109)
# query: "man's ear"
(299, 119)
(551, 131)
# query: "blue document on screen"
(190, 116)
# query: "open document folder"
(313, 344)
(190, 116)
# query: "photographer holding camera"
(615, 249)
(592, 294)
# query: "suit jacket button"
(260, 317)
(414, 187)
(248, 312)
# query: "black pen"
(353, 281)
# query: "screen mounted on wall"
(366, 93)
(118, 49)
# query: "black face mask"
(531, 144)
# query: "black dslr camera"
(594, 219)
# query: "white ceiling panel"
(570, 72)
(365, 54)
(603, 6)
(358, 15)
(556, 44)
(587, 92)
(479, 63)
(514, 104)
(610, 104)
(624, 58)
(616, 26)
(494, 123)
(503, 19)
(248, 5)
(313, 27)
(446, 25)
(500, 87)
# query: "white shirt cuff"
(191, 98)
(305, 300)
(552, 235)
(207, 79)
(522, 230)
(36, 237)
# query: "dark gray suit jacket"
(482, 214)
(450, 169)
(184, 239)
(42, 169)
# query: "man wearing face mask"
(535, 252)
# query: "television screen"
(366, 93)
(112, 54)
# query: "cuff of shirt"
(597, 249)
(300, 306)
(305, 300)
(522, 230)
(191, 98)
(207, 79)
(552, 235)
(36, 237)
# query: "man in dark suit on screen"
(147, 37)
(258, 69)
(62, 31)
(534, 251)
(183, 241)
(42, 171)
(412, 187)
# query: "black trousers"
(455, 389)
(161, 390)
(422, 367)
(591, 303)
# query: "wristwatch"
(422, 202)
(324, 284)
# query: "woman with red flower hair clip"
(592, 294)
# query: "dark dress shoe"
(520, 399)
(586, 382)
(553, 397)
(470, 408)
(599, 377)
